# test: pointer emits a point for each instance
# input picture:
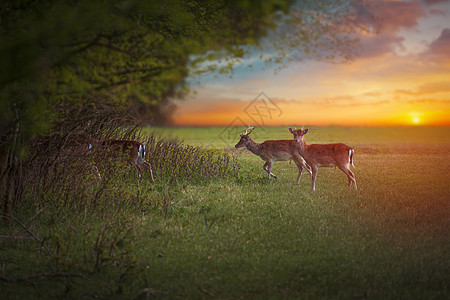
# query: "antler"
(249, 130)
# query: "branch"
(81, 49)
(126, 81)
(110, 47)
(29, 231)
(135, 71)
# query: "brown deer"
(272, 151)
(325, 155)
(133, 150)
(80, 147)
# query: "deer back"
(129, 148)
(327, 154)
(278, 149)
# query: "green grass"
(250, 238)
(365, 137)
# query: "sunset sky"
(401, 77)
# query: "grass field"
(251, 238)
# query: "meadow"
(245, 237)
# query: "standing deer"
(325, 155)
(133, 150)
(272, 151)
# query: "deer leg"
(96, 172)
(300, 169)
(269, 169)
(149, 168)
(301, 163)
(350, 182)
(265, 168)
(313, 177)
(138, 170)
(350, 175)
(306, 166)
(353, 178)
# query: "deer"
(325, 155)
(133, 150)
(272, 151)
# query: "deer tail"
(141, 152)
(350, 154)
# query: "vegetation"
(61, 59)
(242, 236)
(78, 223)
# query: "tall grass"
(173, 160)
(64, 171)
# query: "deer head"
(298, 134)
(244, 138)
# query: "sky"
(400, 78)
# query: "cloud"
(330, 103)
(388, 17)
(427, 101)
(210, 103)
(322, 100)
(439, 50)
(433, 2)
(379, 45)
(394, 15)
(435, 87)
(437, 12)
(405, 92)
(431, 88)
(373, 94)
(344, 100)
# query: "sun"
(415, 118)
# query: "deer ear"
(291, 130)
(305, 131)
(242, 135)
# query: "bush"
(64, 170)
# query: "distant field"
(245, 237)
(365, 138)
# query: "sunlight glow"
(415, 118)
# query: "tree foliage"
(129, 51)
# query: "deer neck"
(302, 147)
(253, 147)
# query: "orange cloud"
(430, 88)
(207, 112)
